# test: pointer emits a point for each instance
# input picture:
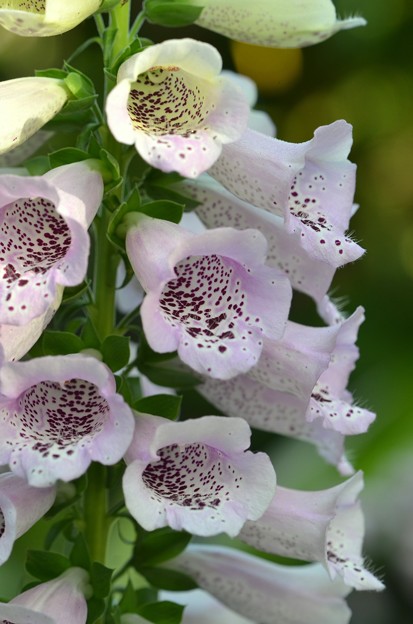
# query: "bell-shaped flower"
(60, 601)
(276, 412)
(210, 296)
(21, 506)
(310, 185)
(220, 208)
(273, 23)
(264, 591)
(27, 104)
(17, 340)
(202, 608)
(172, 104)
(44, 18)
(196, 475)
(325, 526)
(44, 239)
(22, 152)
(57, 414)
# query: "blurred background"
(366, 77)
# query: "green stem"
(95, 505)
(137, 25)
(120, 19)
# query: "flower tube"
(325, 526)
(210, 296)
(172, 104)
(44, 242)
(310, 185)
(264, 591)
(44, 18)
(60, 601)
(273, 23)
(28, 104)
(196, 475)
(57, 414)
(21, 506)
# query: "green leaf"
(38, 165)
(73, 292)
(163, 209)
(129, 602)
(165, 374)
(165, 405)
(171, 12)
(89, 335)
(61, 343)
(163, 578)
(80, 553)
(55, 531)
(46, 565)
(162, 192)
(160, 545)
(164, 612)
(100, 577)
(67, 155)
(115, 352)
(136, 46)
(60, 74)
(110, 163)
(95, 608)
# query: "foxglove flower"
(57, 414)
(172, 104)
(196, 475)
(60, 601)
(202, 608)
(209, 295)
(310, 185)
(21, 506)
(220, 208)
(22, 152)
(325, 526)
(17, 340)
(27, 104)
(276, 412)
(273, 23)
(44, 18)
(264, 591)
(44, 239)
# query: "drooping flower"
(17, 340)
(21, 506)
(19, 154)
(44, 18)
(277, 412)
(60, 601)
(172, 104)
(27, 104)
(310, 185)
(196, 475)
(44, 239)
(220, 208)
(325, 526)
(264, 591)
(273, 23)
(57, 414)
(208, 295)
(298, 388)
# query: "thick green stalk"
(95, 510)
(120, 18)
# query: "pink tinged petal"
(196, 475)
(44, 18)
(21, 506)
(17, 340)
(171, 102)
(57, 415)
(60, 601)
(27, 104)
(43, 221)
(276, 412)
(219, 208)
(325, 526)
(209, 295)
(330, 401)
(279, 23)
(264, 591)
(310, 184)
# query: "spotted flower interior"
(207, 299)
(35, 239)
(169, 100)
(34, 6)
(193, 476)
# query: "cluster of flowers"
(275, 217)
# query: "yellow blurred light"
(275, 70)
